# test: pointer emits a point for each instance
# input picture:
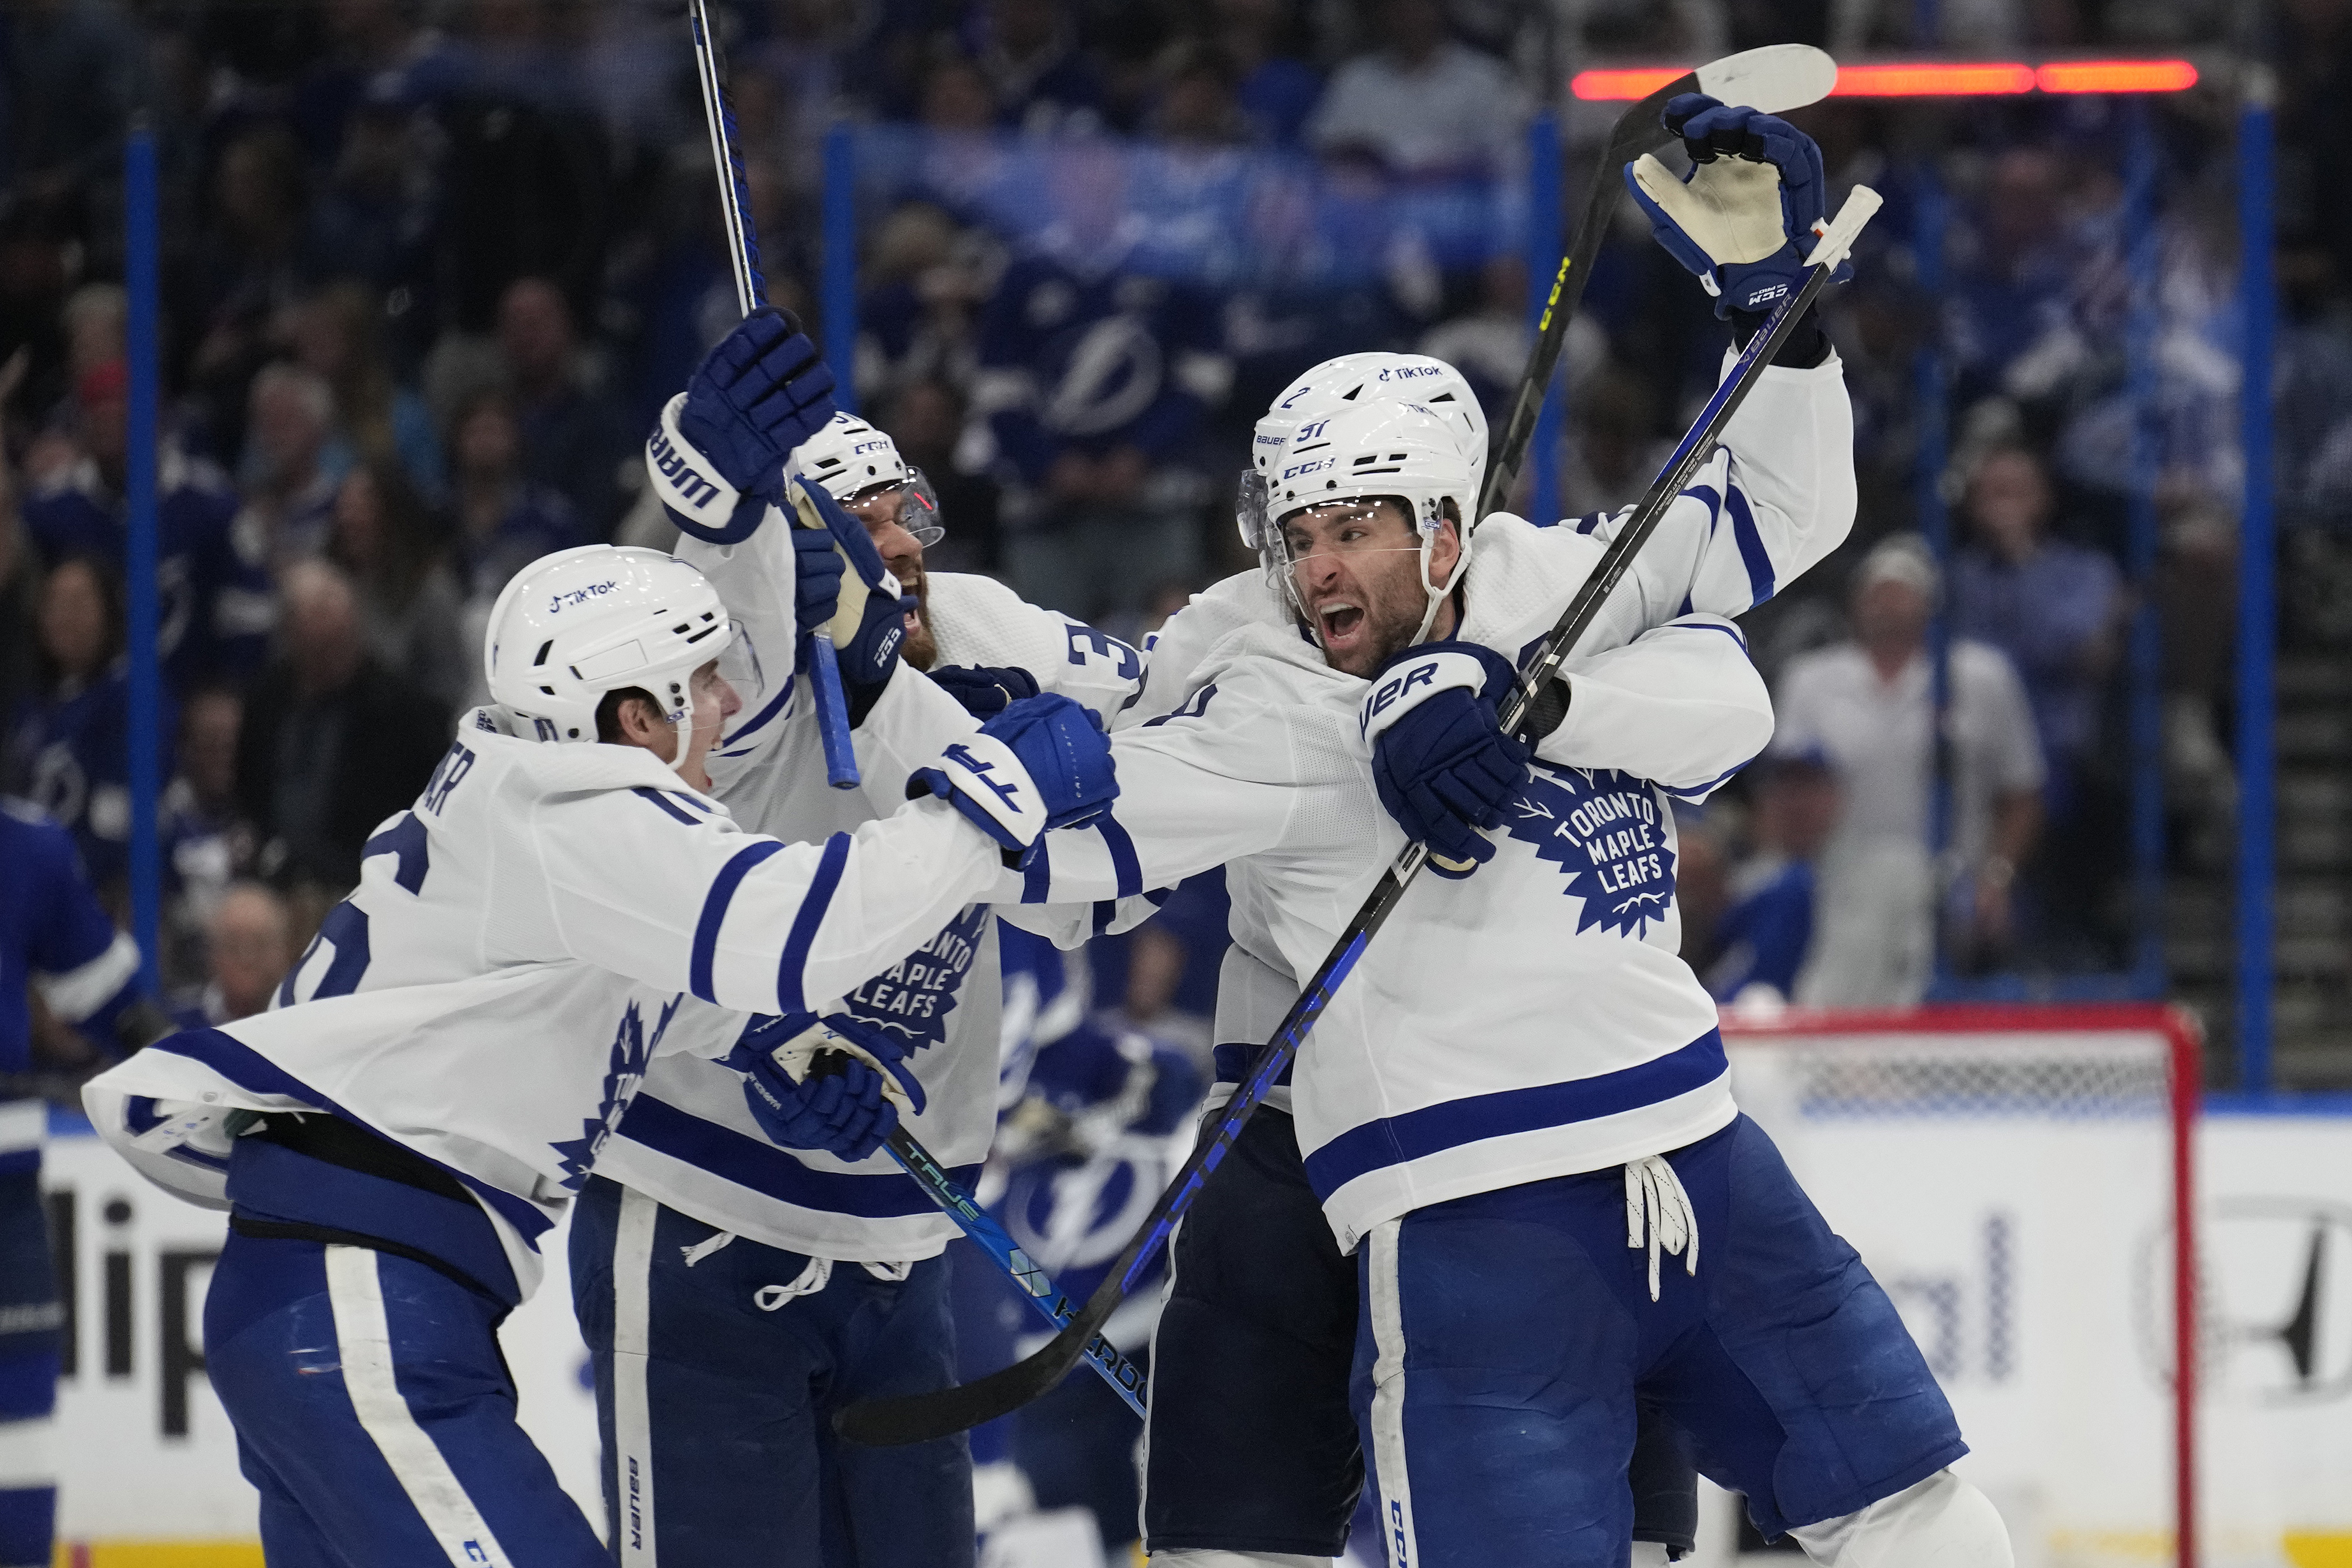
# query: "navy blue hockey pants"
(375, 1413)
(716, 1389)
(1504, 1338)
(1253, 1447)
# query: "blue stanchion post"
(2257, 593)
(1546, 234)
(2145, 674)
(140, 242)
(837, 281)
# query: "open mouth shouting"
(1341, 621)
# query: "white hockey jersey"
(690, 1141)
(1533, 1020)
(543, 925)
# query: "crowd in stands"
(431, 266)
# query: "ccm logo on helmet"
(558, 603)
(692, 486)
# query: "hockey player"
(53, 939)
(1464, 1109)
(734, 1292)
(563, 904)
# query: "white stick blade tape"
(1774, 79)
(1861, 205)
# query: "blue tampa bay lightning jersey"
(55, 938)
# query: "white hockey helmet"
(850, 458)
(1376, 377)
(1367, 451)
(571, 627)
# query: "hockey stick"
(885, 1422)
(751, 293)
(1111, 1364)
(1774, 79)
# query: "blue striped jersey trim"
(1697, 792)
(1758, 559)
(1124, 866)
(813, 904)
(776, 705)
(661, 800)
(761, 1166)
(1038, 877)
(256, 1074)
(1397, 1139)
(714, 914)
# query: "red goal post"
(2022, 1179)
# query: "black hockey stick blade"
(918, 1418)
(1773, 79)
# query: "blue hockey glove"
(820, 1083)
(817, 581)
(1043, 762)
(984, 691)
(1745, 216)
(716, 456)
(868, 620)
(1443, 765)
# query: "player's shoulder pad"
(978, 620)
(1521, 573)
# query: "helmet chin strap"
(1438, 591)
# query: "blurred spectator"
(216, 612)
(97, 316)
(332, 742)
(1762, 938)
(206, 845)
(1042, 81)
(250, 264)
(2012, 320)
(957, 97)
(1867, 707)
(249, 946)
(289, 474)
(384, 535)
(1197, 107)
(2054, 609)
(375, 212)
(925, 419)
(505, 520)
(68, 750)
(575, 436)
(1489, 344)
(1277, 88)
(924, 281)
(72, 72)
(376, 419)
(1421, 104)
(20, 597)
(1093, 381)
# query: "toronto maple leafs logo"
(632, 1049)
(913, 997)
(1605, 830)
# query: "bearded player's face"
(1357, 567)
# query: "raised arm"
(1681, 706)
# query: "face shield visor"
(913, 503)
(1288, 546)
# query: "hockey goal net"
(2016, 1178)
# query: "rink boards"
(2025, 1232)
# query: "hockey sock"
(1940, 1522)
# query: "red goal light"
(1930, 78)
(1934, 78)
(2115, 75)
